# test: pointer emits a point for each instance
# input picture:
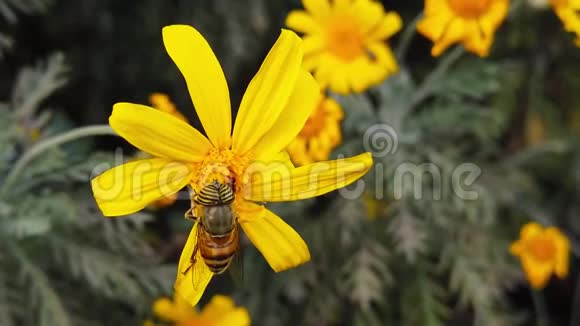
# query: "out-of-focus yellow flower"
(251, 157)
(543, 252)
(574, 121)
(470, 22)
(344, 42)
(320, 135)
(220, 311)
(162, 102)
(535, 130)
(374, 207)
(569, 13)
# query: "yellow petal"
(217, 307)
(282, 247)
(162, 102)
(158, 133)
(454, 33)
(562, 258)
(129, 187)
(317, 8)
(222, 311)
(313, 44)
(517, 248)
(166, 310)
(205, 80)
(371, 13)
(276, 182)
(237, 317)
(390, 24)
(342, 5)
(538, 273)
(191, 281)
(302, 22)
(302, 102)
(268, 92)
(530, 230)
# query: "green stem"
(540, 306)
(407, 37)
(47, 144)
(435, 76)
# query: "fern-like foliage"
(61, 261)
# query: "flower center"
(315, 123)
(470, 8)
(223, 166)
(344, 40)
(542, 248)
(559, 3)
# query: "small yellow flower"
(344, 42)
(320, 135)
(542, 251)
(374, 207)
(535, 129)
(252, 157)
(220, 311)
(471, 22)
(569, 13)
(162, 102)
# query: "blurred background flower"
(344, 42)
(320, 134)
(543, 252)
(220, 311)
(472, 23)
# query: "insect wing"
(200, 273)
(193, 275)
(236, 269)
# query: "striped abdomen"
(218, 251)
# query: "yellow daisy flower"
(320, 135)
(344, 42)
(569, 13)
(471, 22)
(220, 311)
(277, 103)
(542, 251)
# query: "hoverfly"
(217, 228)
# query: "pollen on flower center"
(344, 40)
(225, 166)
(542, 248)
(469, 8)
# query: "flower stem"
(407, 37)
(49, 143)
(435, 76)
(540, 307)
